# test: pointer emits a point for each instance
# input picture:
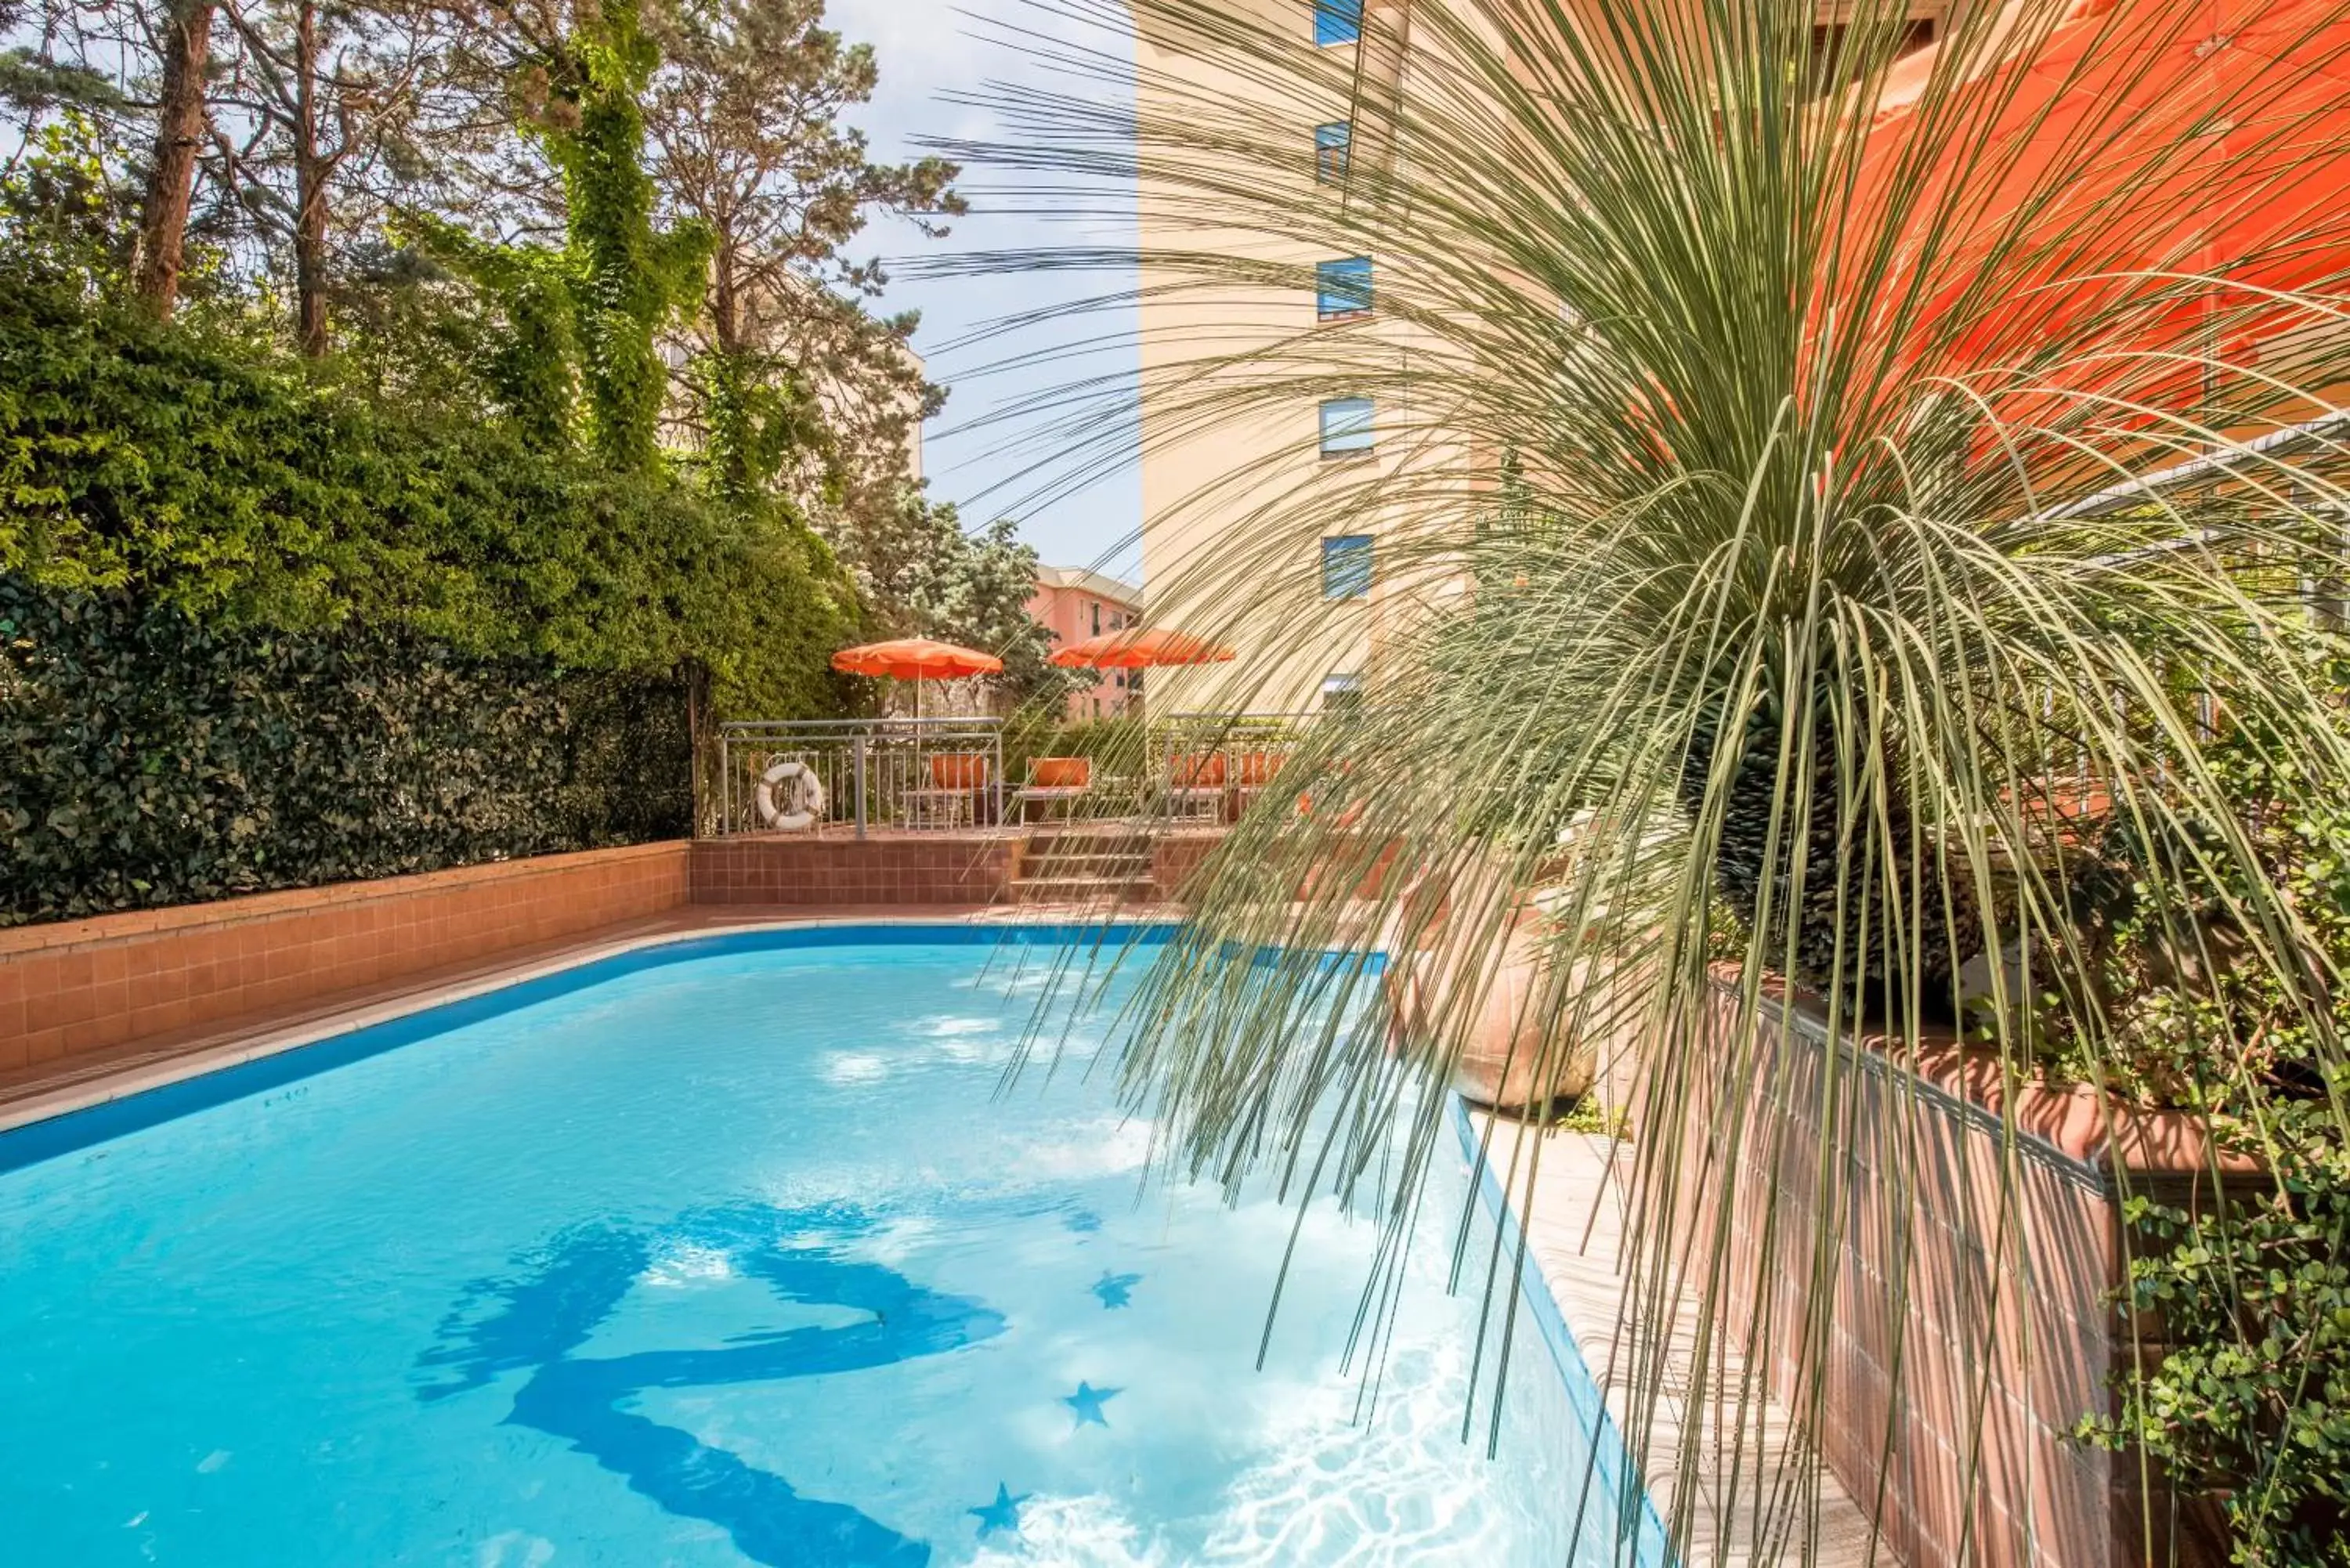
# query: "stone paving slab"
(1576, 1235)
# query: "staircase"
(1107, 864)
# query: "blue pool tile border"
(73, 1131)
(1611, 1462)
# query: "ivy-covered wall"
(147, 758)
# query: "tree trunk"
(179, 131)
(309, 191)
(728, 438)
(1840, 886)
(725, 298)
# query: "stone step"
(1089, 843)
(1090, 861)
(1079, 890)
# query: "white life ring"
(806, 797)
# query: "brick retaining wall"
(806, 870)
(73, 986)
(1175, 856)
(1971, 1325)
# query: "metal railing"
(1211, 765)
(945, 774)
(899, 774)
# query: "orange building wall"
(1075, 611)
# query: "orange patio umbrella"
(2201, 137)
(1137, 648)
(916, 658)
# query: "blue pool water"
(727, 1253)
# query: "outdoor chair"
(1195, 786)
(1054, 783)
(958, 782)
(1251, 779)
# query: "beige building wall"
(1236, 501)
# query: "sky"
(986, 453)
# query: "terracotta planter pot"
(1501, 1060)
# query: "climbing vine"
(629, 277)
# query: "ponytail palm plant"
(1810, 482)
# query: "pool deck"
(1576, 1234)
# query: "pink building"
(1075, 604)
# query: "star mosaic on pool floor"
(1115, 1290)
(1004, 1513)
(1087, 1402)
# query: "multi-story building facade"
(1224, 499)
(1074, 603)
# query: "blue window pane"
(1337, 21)
(1347, 567)
(1347, 426)
(1343, 288)
(1332, 143)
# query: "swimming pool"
(728, 1252)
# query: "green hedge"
(194, 468)
(150, 760)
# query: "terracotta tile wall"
(80, 985)
(1972, 1327)
(1177, 856)
(933, 868)
(1174, 856)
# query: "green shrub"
(150, 760)
(2247, 1403)
(1043, 730)
(220, 477)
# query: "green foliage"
(215, 477)
(2251, 1398)
(2200, 1018)
(153, 761)
(632, 278)
(1116, 745)
(60, 202)
(758, 414)
(1591, 1116)
(922, 574)
(479, 465)
(528, 366)
(750, 136)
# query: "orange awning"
(1140, 650)
(915, 659)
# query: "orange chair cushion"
(1198, 771)
(1061, 772)
(1257, 768)
(959, 770)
